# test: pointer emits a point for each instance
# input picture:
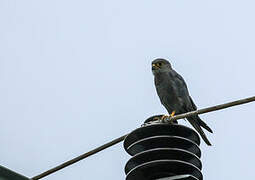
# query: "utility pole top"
(7, 174)
(163, 151)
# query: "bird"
(174, 95)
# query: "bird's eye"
(159, 64)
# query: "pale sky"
(76, 74)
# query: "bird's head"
(160, 66)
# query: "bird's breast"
(168, 94)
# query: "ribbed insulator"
(164, 152)
(7, 174)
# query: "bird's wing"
(189, 105)
(193, 104)
(184, 92)
(198, 119)
(181, 85)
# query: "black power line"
(115, 141)
(83, 156)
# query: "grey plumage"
(173, 93)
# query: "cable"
(214, 108)
(83, 156)
(115, 141)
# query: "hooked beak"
(154, 67)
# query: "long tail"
(196, 122)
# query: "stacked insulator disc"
(163, 152)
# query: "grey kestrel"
(173, 94)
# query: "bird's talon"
(164, 117)
(156, 118)
(172, 114)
